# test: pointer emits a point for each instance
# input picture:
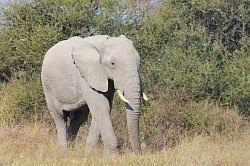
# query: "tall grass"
(35, 144)
(164, 122)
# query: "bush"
(194, 48)
(164, 123)
(172, 118)
(21, 101)
(29, 28)
(238, 80)
(182, 43)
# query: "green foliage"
(30, 28)
(21, 100)
(193, 47)
(238, 79)
(172, 118)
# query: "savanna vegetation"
(195, 65)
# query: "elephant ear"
(87, 60)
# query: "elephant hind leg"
(57, 115)
(60, 128)
(77, 118)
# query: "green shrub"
(190, 46)
(165, 122)
(182, 43)
(238, 79)
(21, 100)
(30, 28)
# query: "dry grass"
(35, 144)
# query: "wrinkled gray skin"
(81, 75)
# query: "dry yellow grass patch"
(208, 151)
(35, 144)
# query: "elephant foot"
(90, 146)
(114, 152)
(62, 149)
(88, 150)
(94, 149)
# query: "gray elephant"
(81, 75)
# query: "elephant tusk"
(144, 96)
(121, 96)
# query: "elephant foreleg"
(94, 133)
(100, 114)
(93, 136)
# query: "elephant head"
(115, 58)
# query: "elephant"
(81, 75)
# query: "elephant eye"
(112, 64)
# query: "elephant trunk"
(133, 94)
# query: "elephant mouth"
(121, 96)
